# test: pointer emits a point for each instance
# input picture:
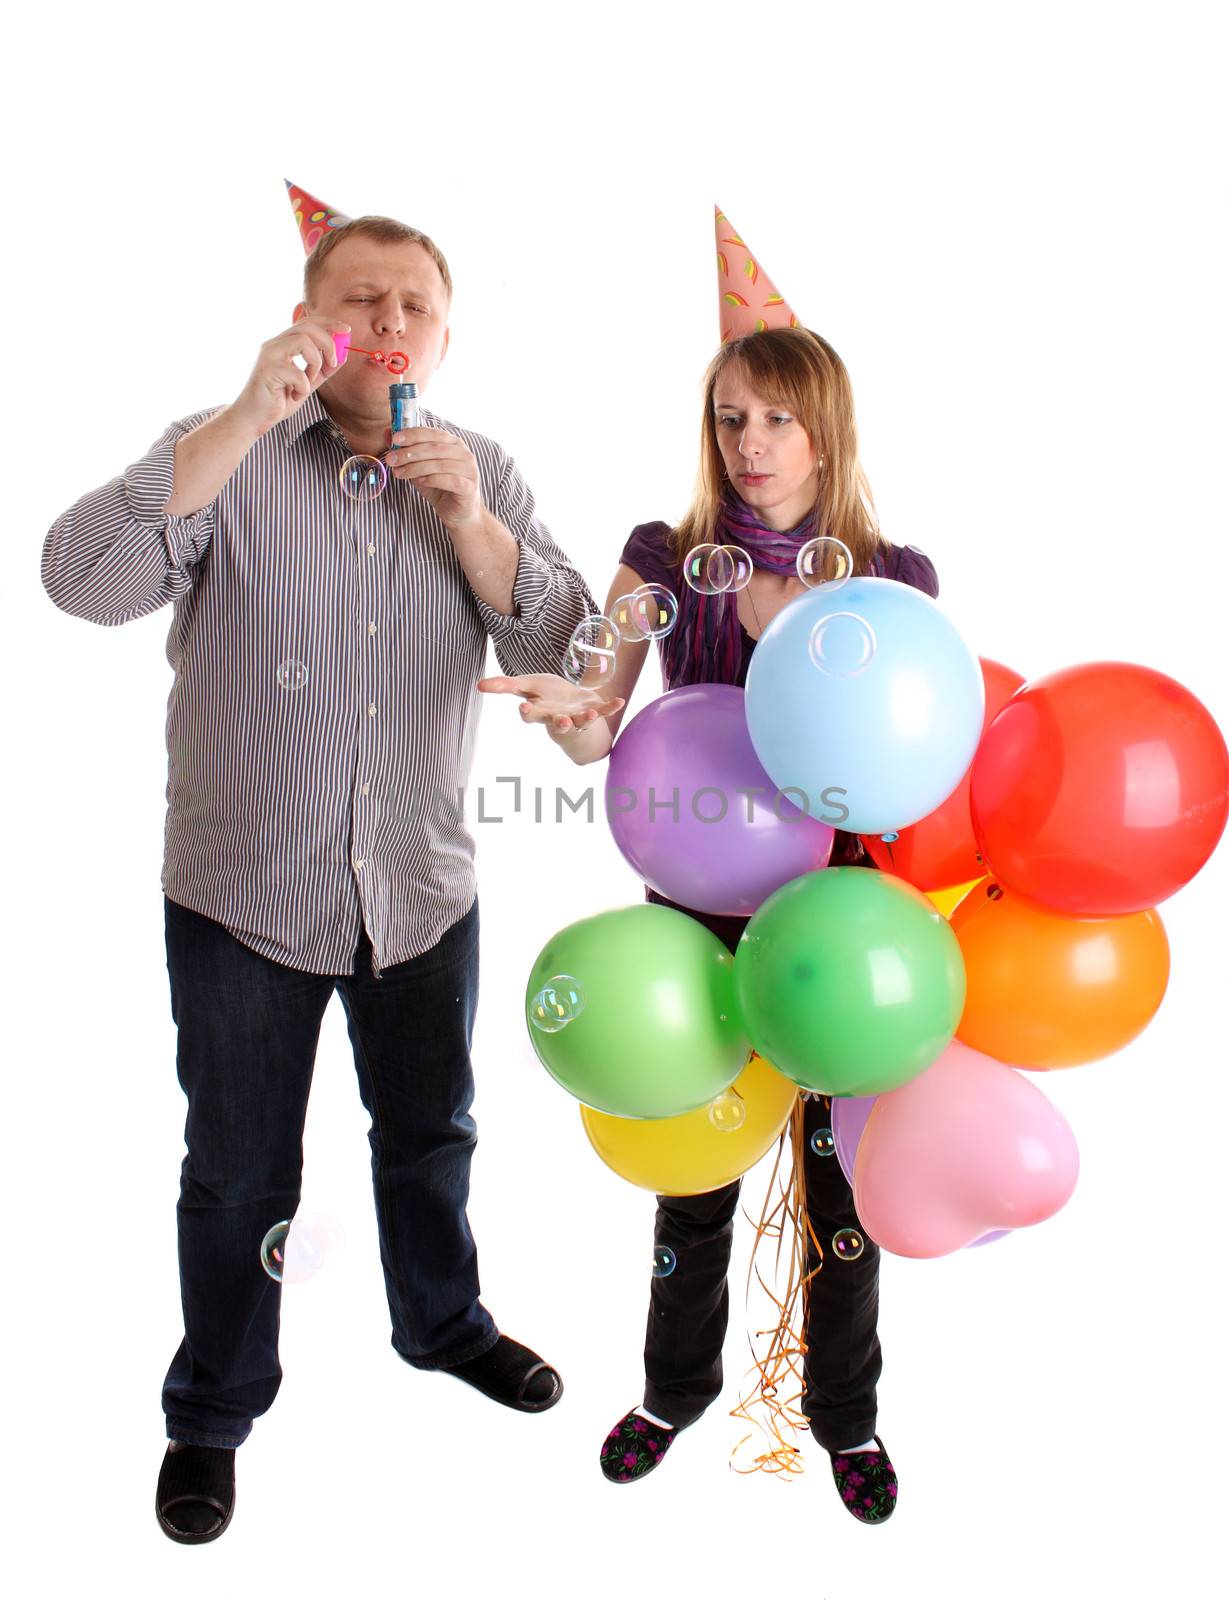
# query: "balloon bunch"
(1095, 793)
(1044, 819)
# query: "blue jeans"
(247, 1035)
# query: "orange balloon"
(1050, 991)
(940, 850)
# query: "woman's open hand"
(547, 697)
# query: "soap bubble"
(625, 616)
(321, 1226)
(822, 1142)
(273, 1250)
(740, 566)
(664, 1261)
(848, 1244)
(291, 674)
(649, 612)
(363, 478)
(696, 570)
(559, 1001)
(842, 644)
(717, 568)
(590, 657)
(826, 561)
(290, 1253)
(728, 1111)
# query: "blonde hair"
(801, 371)
(385, 230)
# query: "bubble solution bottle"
(403, 401)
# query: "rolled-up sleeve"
(550, 598)
(116, 555)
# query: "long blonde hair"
(801, 371)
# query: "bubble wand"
(396, 361)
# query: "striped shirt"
(321, 723)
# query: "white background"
(1010, 222)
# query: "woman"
(778, 466)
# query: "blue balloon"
(865, 700)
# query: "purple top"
(647, 552)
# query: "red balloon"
(1100, 790)
(940, 851)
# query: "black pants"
(689, 1308)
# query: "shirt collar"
(311, 414)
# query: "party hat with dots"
(315, 219)
(747, 299)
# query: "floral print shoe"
(866, 1482)
(633, 1447)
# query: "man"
(320, 731)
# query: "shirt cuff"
(530, 592)
(148, 485)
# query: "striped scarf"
(705, 645)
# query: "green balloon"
(644, 1023)
(850, 981)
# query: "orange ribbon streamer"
(785, 1220)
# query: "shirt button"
(365, 788)
(371, 709)
(371, 627)
(371, 549)
(358, 865)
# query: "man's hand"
(277, 387)
(442, 469)
(549, 698)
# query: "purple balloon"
(988, 1238)
(727, 851)
(849, 1114)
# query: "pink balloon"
(850, 1114)
(968, 1147)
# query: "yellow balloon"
(946, 900)
(692, 1154)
